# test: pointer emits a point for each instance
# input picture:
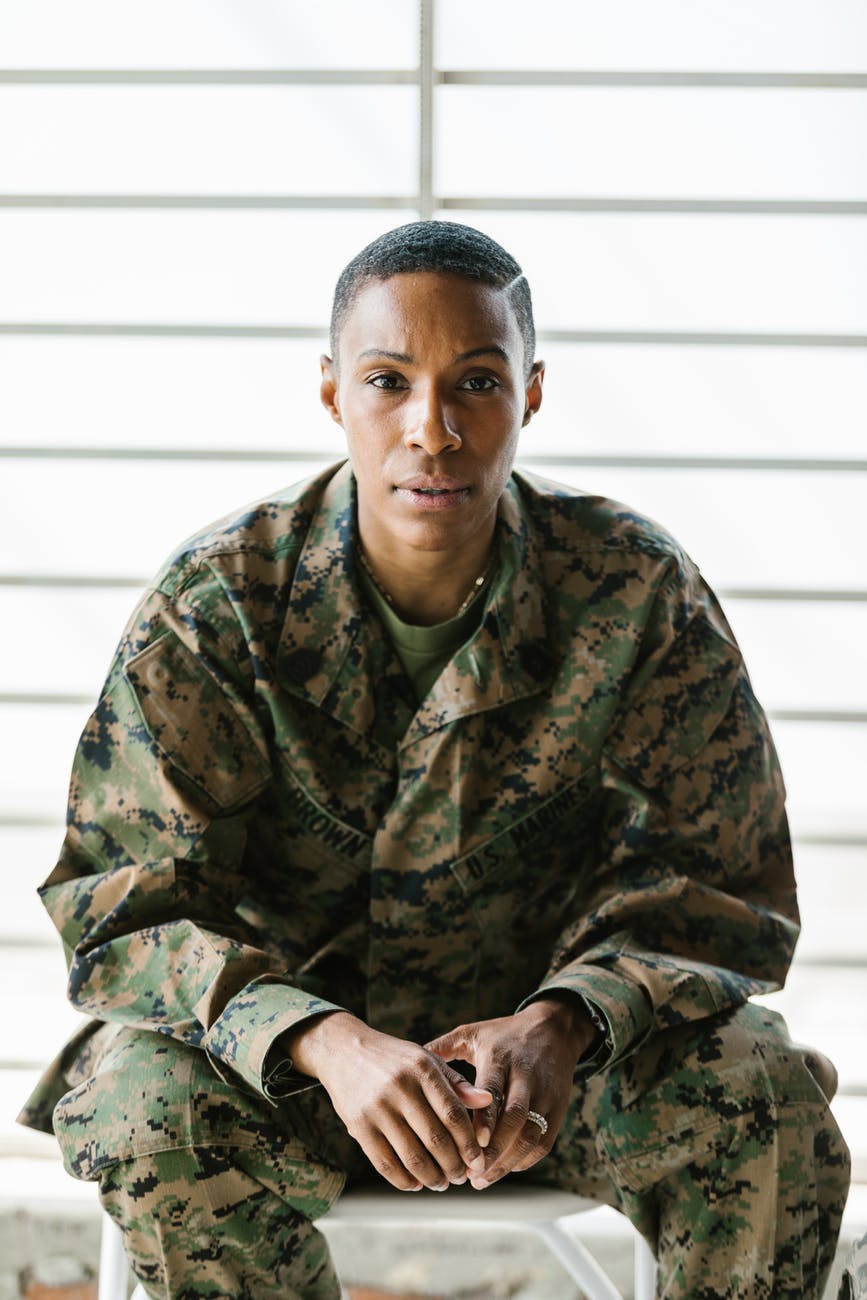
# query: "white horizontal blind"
(687, 190)
(671, 37)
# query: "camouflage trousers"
(715, 1139)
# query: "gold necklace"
(478, 582)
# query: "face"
(430, 388)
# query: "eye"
(479, 383)
(389, 382)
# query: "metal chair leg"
(113, 1270)
(645, 1270)
(577, 1261)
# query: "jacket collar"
(332, 653)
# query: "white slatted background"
(686, 187)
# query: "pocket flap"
(199, 723)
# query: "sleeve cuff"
(599, 1054)
(243, 1036)
(281, 1079)
(621, 1006)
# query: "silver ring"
(535, 1118)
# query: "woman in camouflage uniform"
(424, 762)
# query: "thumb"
(472, 1097)
(457, 1045)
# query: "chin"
(441, 536)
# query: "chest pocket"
(199, 724)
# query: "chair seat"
(510, 1207)
(502, 1205)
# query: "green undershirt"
(423, 651)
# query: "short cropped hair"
(444, 246)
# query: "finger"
(434, 1158)
(473, 1098)
(529, 1144)
(387, 1162)
(425, 1156)
(457, 1045)
(524, 1153)
(485, 1119)
(460, 1044)
(543, 1138)
(448, 1102)
(464, 1044)
(508, 1131)
(426, 1147)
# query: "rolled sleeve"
(243, 1037)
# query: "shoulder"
(596, 554)
(227, 586)
(267, 532)
(567, 519)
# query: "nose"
(431, 425)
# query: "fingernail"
(417, 1188)
(479, 1183)
(483, 1137)
(458, 1182)
(478, 1165)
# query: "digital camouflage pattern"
(728, 1161)
(264, 823)
(230, 1218)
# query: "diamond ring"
(535, 1118)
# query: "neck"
(427, 587)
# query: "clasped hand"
(419, 1122)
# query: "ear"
(533, 393)
(328, 388)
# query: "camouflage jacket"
(264, 823)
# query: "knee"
(731, 1065)
(755, 1047)
(822, 1070)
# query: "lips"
(423, 483)
(431, 494)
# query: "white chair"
(546, 1214)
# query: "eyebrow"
(487, 349)
(381, 352)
